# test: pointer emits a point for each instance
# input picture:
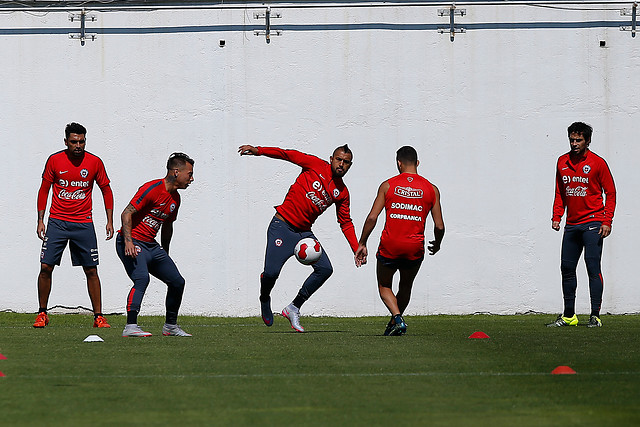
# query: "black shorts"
(399, 263)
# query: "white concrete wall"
(487, 113)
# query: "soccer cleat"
(399, 328)
(389, 327)
(292, 313)
(42, 320)
(133, 330)
(267, 314)
(564, 321)
(594, 322)
(173, 331)
(101, 322)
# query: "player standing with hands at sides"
(154, 207)
(72, 173)
(407, 199)
(581, 178)
(318, 186)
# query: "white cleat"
(133, 330)
(173, 331)
(292, 313)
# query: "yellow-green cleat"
(594, 322)
(564, 321)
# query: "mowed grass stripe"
(294, 375)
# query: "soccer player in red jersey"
(582, 177)
(407, 199)
(72, 173)
(154, 207)
(318, 186)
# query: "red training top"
(313, 192)
(407, 203)
(579, 188)
(72, 179)
(154, 205)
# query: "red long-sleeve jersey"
(72, 180)
(313, 192)
(579, 189)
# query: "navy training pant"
(152, 259)
(281, 242)
(575, 238)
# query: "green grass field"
(342, 372)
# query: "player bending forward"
(407, 199)
(318, 186)
(154, 206)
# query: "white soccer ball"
(308, 251)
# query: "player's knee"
(269, 276)
(46, 269)
(91, 272)
(140, 284)
(324, 270)
(177, 282)
(568, 267)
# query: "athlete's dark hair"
(407, 155)
(582, 128)
(74, 127)
(177, 160)
(344, 148)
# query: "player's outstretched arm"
(438, 224)
(248, 150)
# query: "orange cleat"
(42, 320)
(101, 322)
